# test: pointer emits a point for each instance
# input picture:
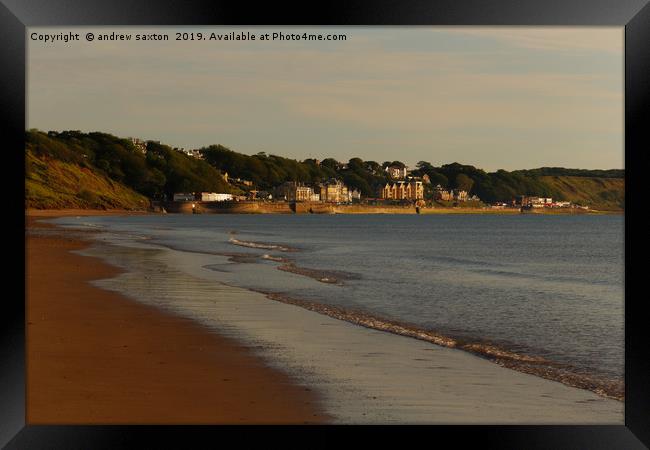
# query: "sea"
(539, 294)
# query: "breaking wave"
(497, 353)
(262, 245)
(273, 258)
(534, 365)
(324, 276)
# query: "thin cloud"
(482, 98)
(557, 39)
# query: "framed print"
(417, 217)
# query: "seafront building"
(300, 194)
(184, 197)
(202, 197)
(533, 202)
(440, 193)
(403, 190)
(215, 197)
(331, 191)
(292, 191)
(258, 195)
(334, 191)
(452, 195)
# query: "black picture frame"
(16, 15)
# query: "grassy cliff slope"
(55, 184)
(605, 194)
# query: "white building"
(183, 197)
(139, 144)
(396, 172)
(215, 197)
(193, 153)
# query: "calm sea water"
(540, 294)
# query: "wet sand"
(365, 376)
(97, 357)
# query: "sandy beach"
(96, 357)
(167, 339)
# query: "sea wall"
(372, 209)
(223, 207)
(252, 207)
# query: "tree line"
(162, 170)
(158, 173)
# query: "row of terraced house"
(331, 191)
(403, 190)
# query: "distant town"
(404, 188)
(97, 170)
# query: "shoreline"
(413, 382)
(97, 357)
(282, 208)
(610, 388)
(535, 365)
(365, 375)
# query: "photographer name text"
(49, 38)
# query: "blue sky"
(505, 97)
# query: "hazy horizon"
(495, 98)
